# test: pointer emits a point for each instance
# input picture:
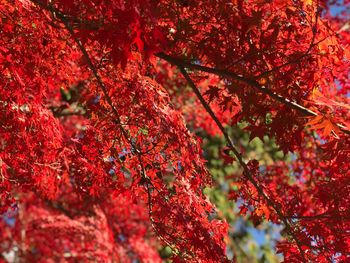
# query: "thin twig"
(145, 179)
(297, 60)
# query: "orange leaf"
(314, 120)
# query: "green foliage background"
(242, 242)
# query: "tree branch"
(251, 82)
(144, 178)
(239, 158)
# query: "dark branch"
(251, 82)
(144, 178)
(239, 158)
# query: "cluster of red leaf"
(95, 156)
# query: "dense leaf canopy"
(103, 105)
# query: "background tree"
(104, 107)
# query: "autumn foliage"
(100, 102)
